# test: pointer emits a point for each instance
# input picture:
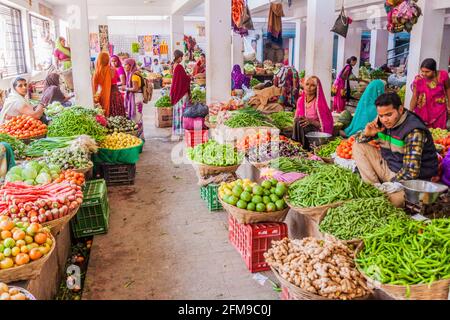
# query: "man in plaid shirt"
(407, 148)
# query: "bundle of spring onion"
(38, 147)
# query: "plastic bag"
(248, 94)
(197, 110)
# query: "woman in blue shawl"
(366, 111)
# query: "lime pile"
(248, 195)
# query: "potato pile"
(321, 267)
(7, 293)
(117, 141)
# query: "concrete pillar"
(291, 49)
(238, 50)
(176, 33)
(445, 51)
(391, 46)
(79, 44)
(350, 46)
(218, 57)
(260, 46)
(379, 44)
(426, 41)
(300, 45)
(319, 41)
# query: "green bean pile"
(283, 119)
(296, 165)
(408, 252)
(360, 217)
(245, 120)
(328, 149)
(328, 185)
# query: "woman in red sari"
(431, 98)
(341, 87)
(179, 94)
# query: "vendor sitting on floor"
(407, 148)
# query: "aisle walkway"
(163, 243)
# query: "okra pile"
(358, 218)
(408, 252)
(328, 185)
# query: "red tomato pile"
(345, 149)
(24, 127)
(445, 142)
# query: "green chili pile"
(360, 217)
(296, 165)
(329, 185)
(245, 120)
(408, 252)
(328, 149)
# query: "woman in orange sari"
(102, 82)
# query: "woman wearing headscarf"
(431, 95)
(62, 53)
(366, 111)
(102, 82)
(52, 92)
(313, 113)
(289, 81)
(134, 99)
(17, 103)
(238, 79)
(341, 87)
(117, 107)
(179, 94)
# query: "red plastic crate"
(195, 137)
(253, 240)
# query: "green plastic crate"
(210, 194)
(93, 216)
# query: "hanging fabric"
(275, 24)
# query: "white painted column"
(260, 46)
(445, 51)
(176, 33)
(77, 19)
(350, 46)
(426, 41)
(319, 41)
(291, 48)
(238, 50)
(218, 57)
(378, 47)
(300, 45)
(391, 46)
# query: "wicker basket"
(438, 290)
(56, 226)
(317, 213)
(260, 165)
(28, 271)
(206, 171)
(249, 217)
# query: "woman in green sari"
(62, 54)
(366, 111)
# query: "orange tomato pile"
(445, 142)
(345, 149)
(254, 140)
(22, 242)
(72, 176)
(24, 127)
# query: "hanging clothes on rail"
(275, 25)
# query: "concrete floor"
(163, 243)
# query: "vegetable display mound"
(268, 151)
(39, 203)
(408, 252)
(283, 119)
(33, 173)
(328, 185)
(254, 82)
(53, 109)
(198, 95)
(38, 147)
(302, 165)
(247, 195)
(68, 158)
(23, 127)
(22, 243)
(322, 267)
(121, 124)
(17, 145)
(74, 122)
(345, 148)
(358, 218)
(246, 120)
(163, 102)
(117, 141)
(213, 153)
(439, 133)
(327, 150)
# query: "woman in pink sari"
(313, 113)
(431, 98)
(341, 87)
